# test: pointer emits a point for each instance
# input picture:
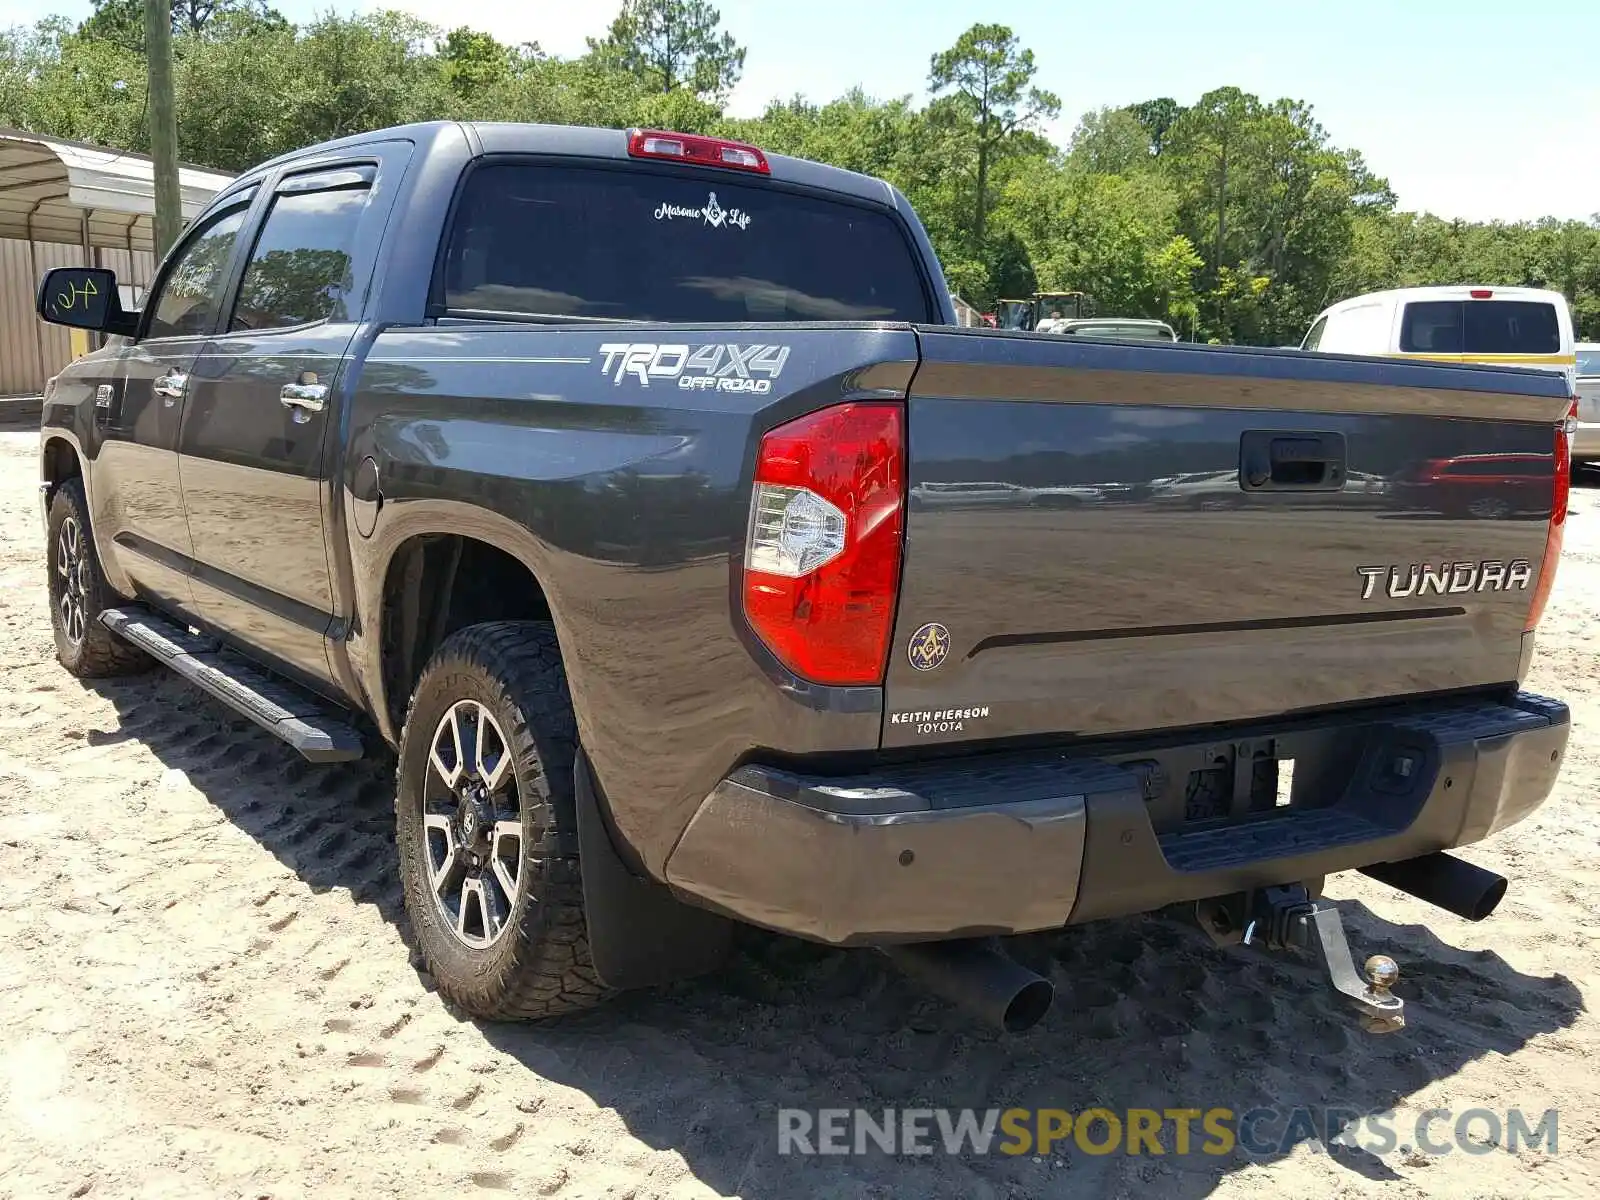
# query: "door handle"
(170, 387)
(305, 398)
(1291, 461)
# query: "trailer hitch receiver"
(1284, 917)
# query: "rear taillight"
(692, 148)
(1558, 517)
(822, 556)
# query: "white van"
(1525, 327)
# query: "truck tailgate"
(1107, 538)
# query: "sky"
(1477, 109)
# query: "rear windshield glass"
(576, 242)
(1480, 327)
(1589, 362)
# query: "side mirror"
(84, 298)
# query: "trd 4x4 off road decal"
(720, 367)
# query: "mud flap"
(640, 935)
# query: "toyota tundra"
(641, 492)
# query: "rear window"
(577, 242)
(1589, 362)
(299, 271)
(1480, 327)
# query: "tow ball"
(1281, 918)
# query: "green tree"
(54, 81)
(988, 78)
(1236, 219)
(1266, 197)
(854, 131)
(1157, 117)
(122, 21)
(1565, 255)
(1208, 143)
(1111, 141)
(673, 44)
(234, 106)
(1105, 235)
(477, 68)
(351, 74)
(583, 91)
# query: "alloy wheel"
(472, 825)
(72, 567)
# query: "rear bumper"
(1014, 843)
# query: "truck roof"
(581, 141)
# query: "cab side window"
(300, 270)
(190, 294)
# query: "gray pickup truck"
(639, 491)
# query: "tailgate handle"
(1278, 460)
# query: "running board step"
(282, 710)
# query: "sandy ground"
(205, 990)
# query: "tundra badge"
(1424, 579)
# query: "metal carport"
(70, 204)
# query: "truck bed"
(1073, 523)
(1080, 525)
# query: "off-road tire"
(540, 967)
(97, 653)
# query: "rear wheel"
(487, 826)
(79, 593)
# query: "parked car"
(1502, 326)
(1488, 487)
(1586, 438)
(1224, 489)
(1068, 495)
(598, 475)
(1112, 327)
(969, 494)
(1201, 489)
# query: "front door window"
(190, 294)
